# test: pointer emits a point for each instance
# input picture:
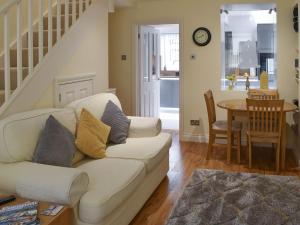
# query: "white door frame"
(136, 76)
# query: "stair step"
(13, 77)
(2, 96)
(45, 37)
(79, 0)
(54, 22)
(13, 56)
(36, 38)
(54, 12)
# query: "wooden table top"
(241, 105)
(44, 220)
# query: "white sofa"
(107, 191)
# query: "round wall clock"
(201, 36)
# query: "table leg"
(229, 134)
(283, 141)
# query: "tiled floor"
(169, 118)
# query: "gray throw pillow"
(118, 121)
(56, 145)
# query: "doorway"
(159, 73)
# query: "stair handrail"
(8, 5)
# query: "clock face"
(201, 36)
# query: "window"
(169, 48)
(248, 37)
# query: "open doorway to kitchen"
(169, 76)
(159, 73)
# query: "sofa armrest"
(144, 127)
(43, 182)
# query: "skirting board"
(189, 137)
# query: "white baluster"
(19, 45)
(66, 15)
(30, 38)
(41, 30)
(6, 57)
(49, 25)
(111, 6)
(80, 7)
(58, 20)
(73, 11)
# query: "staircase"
(20, 58)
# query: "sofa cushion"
(25, 128)
(94, 104)
(55, 145)
(150, 150)
(92, 135)
(144, 126)
(112, 181)
(117, 120)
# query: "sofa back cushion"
(19, 133)
(94, 104)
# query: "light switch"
(123, 57)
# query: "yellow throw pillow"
(92, 135)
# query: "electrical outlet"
(195, 123)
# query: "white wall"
(204, 72)
(84, 49)
(167, 28)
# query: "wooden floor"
(185, 158)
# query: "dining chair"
(265, 124)
(218, 129)
(262, 94)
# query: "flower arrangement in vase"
(232, 79)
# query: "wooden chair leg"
(278, 158)
(247, 142)
(210, 145)
(239, 147)
(274, 146)
(232, 138)
(250, 153)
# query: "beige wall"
(91, 53)
(202, 73)
(84, 49)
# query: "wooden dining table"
(238, 107)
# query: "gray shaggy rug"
(214, 197)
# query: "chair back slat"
(210, 105)
(261, 94)
(265, 116)
(267, 120)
